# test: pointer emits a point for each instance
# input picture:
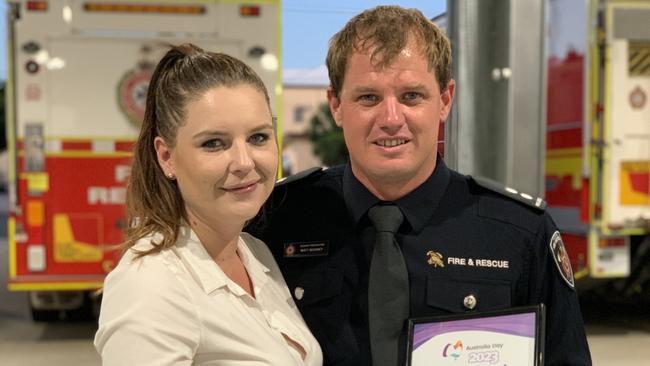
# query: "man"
(465, 245)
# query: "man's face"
(390, 118)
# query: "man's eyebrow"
(414, 86)
(363, 89)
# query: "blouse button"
(298, 293)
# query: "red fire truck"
(553, 100)
(79, 72)
(598, 136)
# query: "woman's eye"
(212, 144)
(259, 138)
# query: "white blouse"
(178, 307)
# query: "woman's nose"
(242, 160)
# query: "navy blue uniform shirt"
(458, 239)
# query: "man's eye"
(259, 138)
(368, 98)
(411, 96)
(212, 144)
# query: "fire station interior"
(552, 103)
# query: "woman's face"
(225, 158)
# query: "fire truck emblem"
(132, 94)
(637, 98)
(435, 259)
(561, 259)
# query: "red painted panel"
(640, 182)
(125, 146)
(560, 192)
(564, 138)
(76, 145)
(576, 246)
(565, 89)
(95, 219)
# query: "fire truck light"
(37, 5)
(41, 57)
(36, 258)
(144, 8)
(35, 213)
(67, 14)
(31, 67)
(55, 63)
(249, 10)
(269, 62)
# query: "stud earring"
(171, 176)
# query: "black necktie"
(388, 287)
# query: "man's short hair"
(387, 30)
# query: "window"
(299, 113)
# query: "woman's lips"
(242, 188)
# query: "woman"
(191, 288)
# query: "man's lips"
(391, 141)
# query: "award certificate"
(511, 337)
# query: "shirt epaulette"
(525, 198)
(298, 176)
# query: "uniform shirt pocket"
(456, 295)
(317, 285)
(318, 294)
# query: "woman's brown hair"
(153, 202)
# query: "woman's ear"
(164, 154)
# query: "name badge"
(306, 249)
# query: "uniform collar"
(417, 206)
(207, 272)
(357, 197)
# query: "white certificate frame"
(514, 336)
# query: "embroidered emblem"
(289, 250)
(637, 98)
(132, 94)
(435, 259)
(561, 259)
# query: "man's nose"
(393, 114)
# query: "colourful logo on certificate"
(508, 337)
(453, 350)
